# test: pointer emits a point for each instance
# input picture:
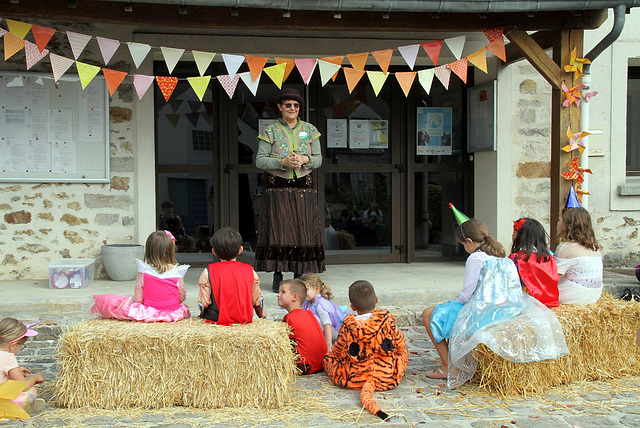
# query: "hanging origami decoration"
(588, 95)
(575, 64)
(576, 172)
(572, 95)
(575, 141)
(460, 217)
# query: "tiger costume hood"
(369, 355)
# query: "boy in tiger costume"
(370, 353)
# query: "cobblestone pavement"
(418, 402)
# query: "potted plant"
(119, 260)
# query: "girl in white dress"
(578, 258)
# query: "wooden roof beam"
(537, 56)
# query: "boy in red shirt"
(307, 334)
(229, 290)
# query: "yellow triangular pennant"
(377, 79)
(86, 73)
(479, 59)
(199, 85)
(18, 28)
(276, 73)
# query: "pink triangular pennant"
(459, 67)
(229, 83)
(107, 48)
(78, 42)
(166, 84)
(42, 35)
(59, 65)
(433, 50)
(33, 54)
(409, 53)
(142, 83)
(233, 63)
(443, 73)
(305, 67)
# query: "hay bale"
(602, 345)
(113, 364)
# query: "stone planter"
(119, 260)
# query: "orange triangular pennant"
(290, 64)
(166, 84)
(256, 64)
(353, 76)
(383, 58)
(497, 48)
(12, 44)
(42, 35)
(479, 59)
(433, 50)
(337, 60)
(459, 67)
(113, 78)
(358, 60)
(405, 79)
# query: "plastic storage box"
(71, 273)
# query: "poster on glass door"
(433, 133)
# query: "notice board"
(53, 131)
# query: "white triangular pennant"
(59, 65)
(232, 62)
(327, 70)
(425, 77)
(248, 80)
(409, 53)
(139, 52)
(171, 57)
(455, 45)
(107, 48)
(78, 42)
(202, 59)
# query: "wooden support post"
(561, 118)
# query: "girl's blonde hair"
(11, 329)
(476, 231)
(576, 226)
(313, 280)
(160, 251)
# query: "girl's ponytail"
(492, 247)
(476, 231)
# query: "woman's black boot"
(277, 279)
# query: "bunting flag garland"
(229, 83)
(86, 73)
(497, 48)
(479, 59)
(337, 60)
(233, 63)
(256, 64)
(139, 52)
(32, 54)
(377, 79)
(459, 67)
(277, 73)
(289, 66)
(78, 42)
(352, 76)
(199, 85)
(142, 83)
(59, 65)
(327, 70)
(425, 77)
(493, 33)
(42, 35)
(248, 80)
(358, 60)
(12, 44)
(202, 59)
(405, 79)
(113, 78)
(433, 50)
(17, 28)
(383, 58)
(167, 85)
(443, 73)
(305, 67)
(409, 54)
(456, 45)
(108, 47)
(3, 32)
(171, 57)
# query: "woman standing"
(290, 227)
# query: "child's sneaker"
(36, 406)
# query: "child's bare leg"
(441, 347)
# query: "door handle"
(228, 168)
(399, 167)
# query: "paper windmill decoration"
(588, 95)
(575, 141)
(576, 172)
(575, 64)
(10, 390)
(572, 95)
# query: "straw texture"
(113, 364)
(602, 345)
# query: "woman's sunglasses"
(289, 105)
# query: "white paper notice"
(379, 134)
(336, 133)
(63, 157)
(59, 125)
(14, 155)
(91, 120)
(358, 134)
(40, 155)
(39, 124)
(14, 121)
